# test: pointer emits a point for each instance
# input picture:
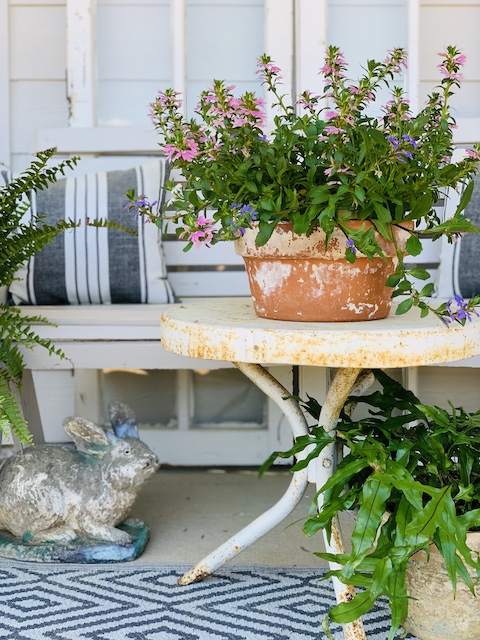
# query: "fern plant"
(19, 240)
(412, 475)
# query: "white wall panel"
(36, 105)
(121, 103)
(4, 84)
(223, 41)
(366, 30)
(37, 53)
(451, 23)
(438, 385)
(457, 24)
(133, 42)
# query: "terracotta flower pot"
(293, 277)
(433, 613)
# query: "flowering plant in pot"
(411, 472)
(328, 168)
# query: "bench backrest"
(202, 271)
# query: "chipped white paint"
(81, 79)
(229, 329)
(271, 275)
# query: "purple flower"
(394, 141)
(351, 245)
(411, 140)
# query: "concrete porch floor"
(191, 512)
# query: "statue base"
(81, 551)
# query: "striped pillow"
(89, 265)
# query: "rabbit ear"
(123, 420)
(87, 436)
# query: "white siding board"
(123, 103)
(449, 25)
(382, 28)
(311, 42)
(138, 3)
(279, 45)
(464, 104)
(35, 3)
(223, 42)
(4, 83)
(140, 54)
(449, 3)
(36, 105)
(138, 140)
(438, 385)
(37, 54)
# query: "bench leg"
(47, 398)
(264, 523)
(27, 401)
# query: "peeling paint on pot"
(296, 278)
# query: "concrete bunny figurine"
(59, 494)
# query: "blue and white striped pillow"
(89, 265)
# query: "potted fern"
(412, 475)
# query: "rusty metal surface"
(228, 329)
(345, 382)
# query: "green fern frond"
(21, 237)
(11, 416)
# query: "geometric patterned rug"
(144, 602)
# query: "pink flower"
(174, 153)
(331, 114)
(203, 233)
(473, 153)
(331, 130)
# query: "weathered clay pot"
(293, 277)
(433, 613)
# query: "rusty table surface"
(228, 329)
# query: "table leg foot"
(251, 533)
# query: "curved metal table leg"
(324, 466)
(264, 523)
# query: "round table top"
(228, 329)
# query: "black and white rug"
(144, 602)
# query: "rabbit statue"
(62, 493)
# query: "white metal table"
(229, 330)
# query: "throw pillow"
(91, 265)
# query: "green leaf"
(466, 197)
(404, 306)
(419, 272)
(382, 212)
(398, 598)
(427, 290)
(369, 517)
(413, 246)
(421, 206)
(346, 612)
(393, 279)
